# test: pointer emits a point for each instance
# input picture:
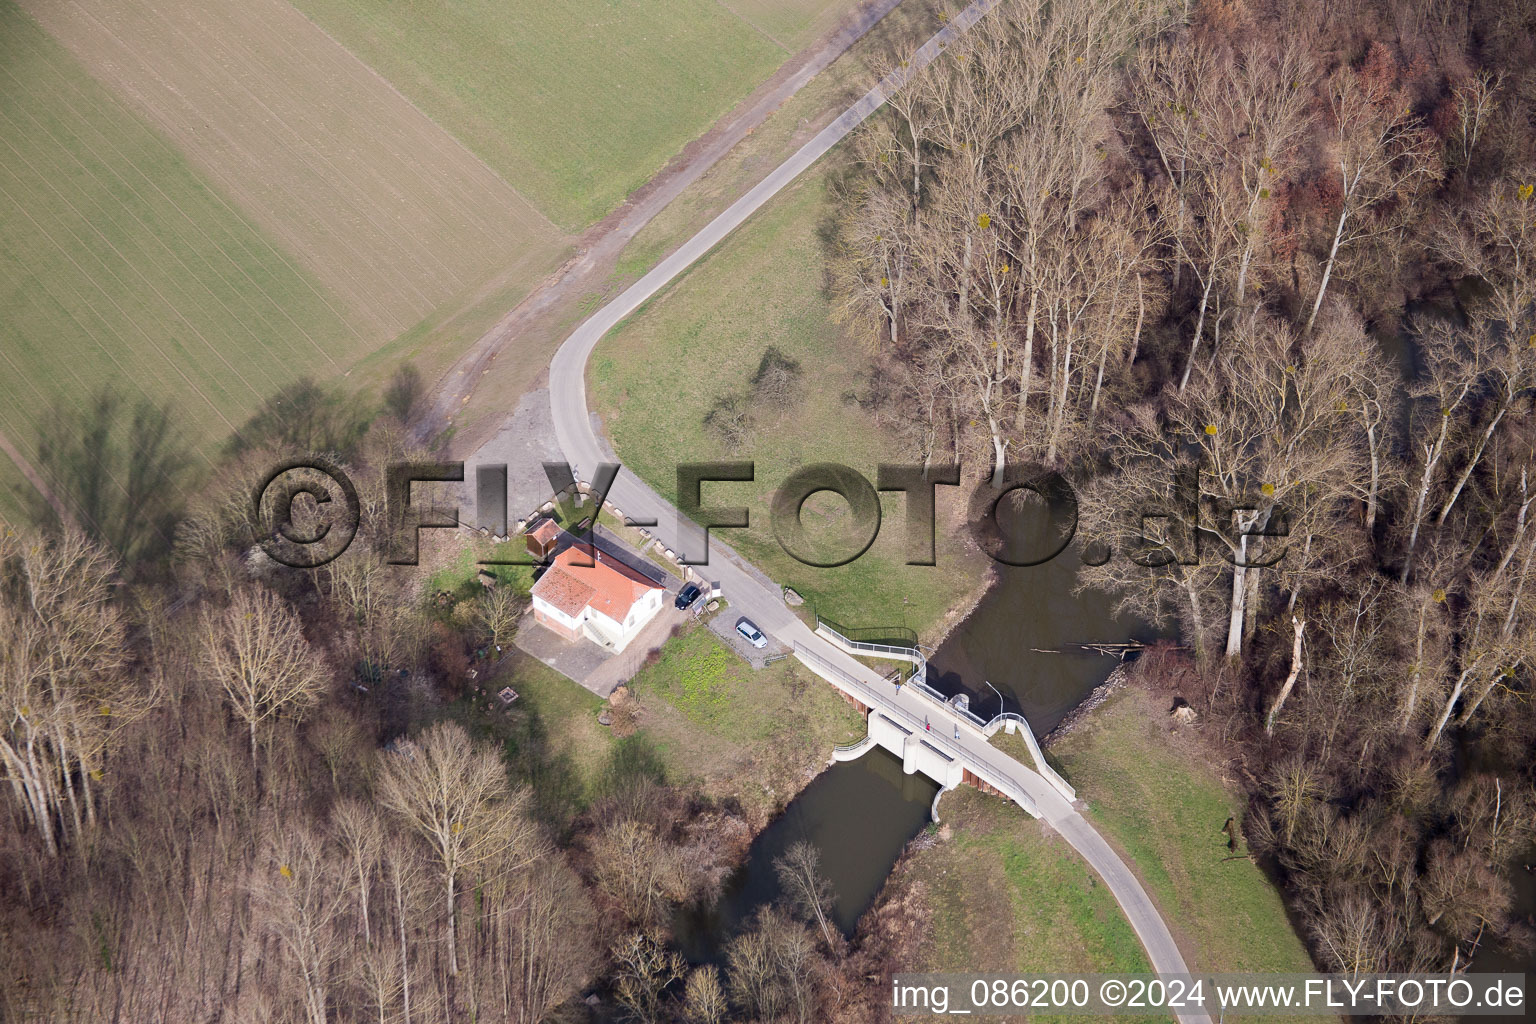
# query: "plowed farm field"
(577, 102)
(391, 213)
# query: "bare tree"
(1451, 372)
(769, 967)
(256, 651)
(300, 891)
(1382, 157)
(704, 997)
(454, 795)
(638, 870)
(362, 843)
(645, 967)
(63, 651)
(808, 890)
(498, 611)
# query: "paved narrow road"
(752, 594)
(602, 243)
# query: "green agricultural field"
(791, 23)
(576, 103)
(657, 375)
(122, 268)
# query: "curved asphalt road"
(754, 595)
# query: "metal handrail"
(868, 634)
(1042, 766)
(1005, 716)
(875, 701)
(913, 654)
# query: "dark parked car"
(689, 594)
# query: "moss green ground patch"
(575, 103)
(754, 735)
(122, 267)
(1154, 795)
(656, 376)
(698, 676)
(1006, 894)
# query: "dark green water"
(859, 814)
(1028, 612)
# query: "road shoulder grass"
(1154, 793)
(657, 376)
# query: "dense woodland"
(1269, 261)
(239, 791)
(1242, 270)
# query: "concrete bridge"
(921, 746)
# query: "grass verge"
(1153, 793)
(657, 376)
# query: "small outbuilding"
(542, 538)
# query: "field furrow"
(380, 204)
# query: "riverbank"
(994, 890)
(1154, 790)
(1083, 713)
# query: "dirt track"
(600, 245)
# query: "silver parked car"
(750, 633)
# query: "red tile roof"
(545, 531)
(609, 586)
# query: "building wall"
(550, 617)
(620, 634)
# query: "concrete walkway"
(750, 594)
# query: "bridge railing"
(849, 751)
(1041, 764)
(867, 694)
(896, 637)
(864, 640)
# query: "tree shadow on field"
(119, 469)
(306, 417)
(553, 778)
(633, 760)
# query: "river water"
(859, 814)
(1025, 638)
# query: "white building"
(585, 593)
